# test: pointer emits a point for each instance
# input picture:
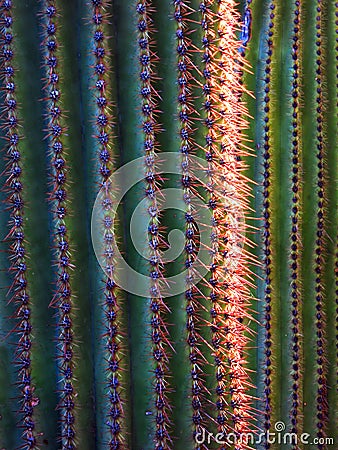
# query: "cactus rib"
(15, 237)
(63, 298)
(104, 127)
(159, 332)
(236, 191)
(214, 284)
(225, 120)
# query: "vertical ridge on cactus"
(104, 126)
(309, 163)
(295, 219)
(228, 193)
(159, 332)
(236, 192)
(63, 298)
(19, 290)
(210, 98)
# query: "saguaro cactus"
(169, 250)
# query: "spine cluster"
(63, 298)
(159, 332)
(103, 136)
(19, 289)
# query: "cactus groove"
(243, 97)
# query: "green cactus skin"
(148, 372)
